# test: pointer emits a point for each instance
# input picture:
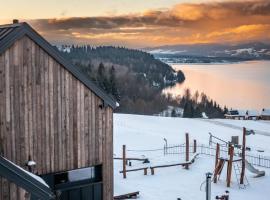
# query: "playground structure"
(239, 169)
(188, 161)
(234, 156)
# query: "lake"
(244, 85)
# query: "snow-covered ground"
(143, 133)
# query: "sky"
(143, 23)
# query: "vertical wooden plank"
(71, 98)
(46, 110)
(43, 152)
(59, 92)
(90, 142)
(86, 124)
(104, 156)
(24, 62)
(101, 124)
(16, 138)
(32, 98)
(39, 107)
(2, 115)
(7, 119)
(25, 107)
(63, 119)
(78, 124)
(51, 114)
(67, 131)
(8, 92)
(93, 125)
(82, 149)
(75, 123)
(97, 113)
(56, 116)
(29, 98)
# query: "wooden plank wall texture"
(46, 113)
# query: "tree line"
(198, 103)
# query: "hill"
(209, 53)
(133, 77)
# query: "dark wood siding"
(46, 113)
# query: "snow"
(39, 179)
(265, 112)
(31, 163)
(164, 51)
(141, 134)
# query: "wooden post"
(243, 157)
(187, 149)
(152, 171)
(229, 166)
(124, 162)
(216, 162)
(145, 171)
(194, 146)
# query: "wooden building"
(242, 114)
(265, 114)
(52, 114)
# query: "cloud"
(183, 23)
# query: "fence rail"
(258, 160)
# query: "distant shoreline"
(217, 63)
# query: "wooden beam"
(134, 170)
(229, 167)
(243, 157)
(216, 162)
(187, 149)
(124, 162)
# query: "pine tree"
(112, 83)
(102, 78)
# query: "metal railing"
(258, 160)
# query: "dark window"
(81, 184)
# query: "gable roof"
(12, 32)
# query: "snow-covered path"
(147, 132)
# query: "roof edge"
(26, 29)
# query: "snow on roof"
(39, 179)
(238, 112)
(265, 112)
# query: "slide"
(253, 170)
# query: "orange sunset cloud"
(216, 22)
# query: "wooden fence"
(258, 160)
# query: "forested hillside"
(135, 78)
